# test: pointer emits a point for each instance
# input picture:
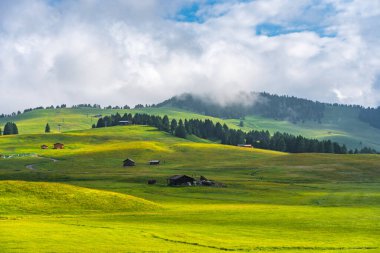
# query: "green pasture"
(81, 198)
(339, 124)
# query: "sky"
(121, 52)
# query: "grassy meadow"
(81, 199)
(339, 124)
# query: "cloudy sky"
(126, 51)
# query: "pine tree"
(180, 131)
(165, 124)
(10, 128)
(173, 125)
(100, 123)
(47, 128)
(1, 132)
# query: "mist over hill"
(267, 105)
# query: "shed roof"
(178, 176)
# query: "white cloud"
(128, 52)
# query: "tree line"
(217, 132)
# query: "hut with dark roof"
(178, 180)
(128, 162)
(154, 162)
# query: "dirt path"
(31, 166)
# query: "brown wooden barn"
(58, 145)
(177, 180)
(128, 162)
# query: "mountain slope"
(339, 123)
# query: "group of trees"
(9, 128)
(78, 106)
(271, 106)
(217, 132)
(371, 116)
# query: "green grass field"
(85, 201)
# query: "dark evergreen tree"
(173, 125)
(10, 128)
(180, 131)
(100, 123)
(165, 124)
(47, 128)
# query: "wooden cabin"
(178, 180)
(128, 162)
(154, 162)
(44, 146)
(58, 145)
(245, 145)
(123, 122)
(152, 181)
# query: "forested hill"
(371, 116)
(264, 104)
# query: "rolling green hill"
(338, 124)
(19, 197)
(86, 201)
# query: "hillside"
(19, 197)
(340, 124)
(270, 198)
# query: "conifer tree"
(180, 131)
(165, 124)
(173, 125)
(47, 128)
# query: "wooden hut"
(154, 162)
(58, 145)
(123, 122)
(245, 145)
(177, 180)
(44, 146)
(152, 181)
(128, 162)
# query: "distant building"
(58, 145)
(245, 145)
(154, 162)
(128, 162)
(178, 180)
(123, 122)
(152, 181)
(44, 146)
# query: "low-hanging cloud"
(129, 52)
